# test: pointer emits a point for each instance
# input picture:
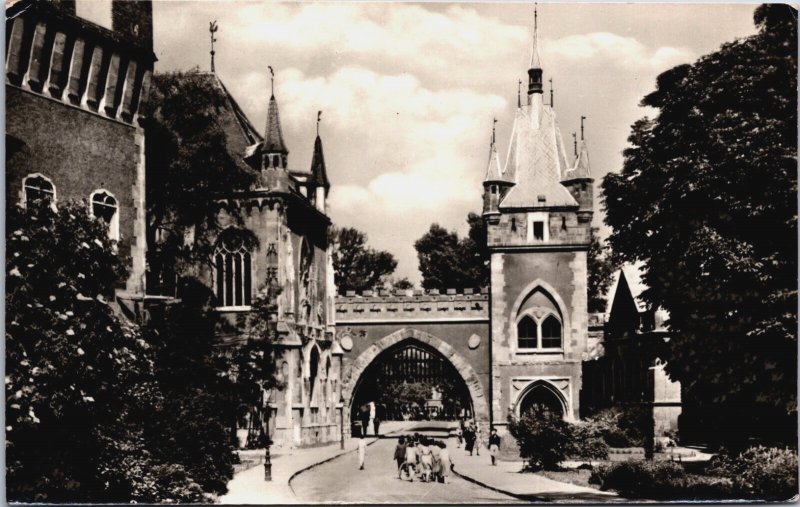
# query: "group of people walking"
(422, 457)
(472, 437)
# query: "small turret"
(495, 184)
(318, 183)
(579, 182)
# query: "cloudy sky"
(408, 91)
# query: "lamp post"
(341, 421)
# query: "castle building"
(75, 93)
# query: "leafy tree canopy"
(355, 265)
(707, 200)
(600, 269)
(449, 262)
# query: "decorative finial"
(212, 29)
(494, 126)
(535, 60)
(319, 118)
(575, 143)
(582, 118)
(519, 92)
(551, 91)
(271, 81)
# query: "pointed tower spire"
(575, 144)
(519, 93)
(212, 29)
(551, 92)
(273, 150)
(319, 174)
(493, 170)
(535, 69)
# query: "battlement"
(413, 305)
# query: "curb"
(526, 498)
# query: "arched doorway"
(542, 396)
(412, 380)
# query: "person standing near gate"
(376, 420)
(362, 452)
(364, 417)
(494, 445)
(371, 421)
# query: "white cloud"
(610, 48)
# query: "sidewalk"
(507, 478)
(249, 486)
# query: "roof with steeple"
(319, 175)
(494, 171)
(273, 140)
(537, 158)
(581, 167)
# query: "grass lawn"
(572, 476)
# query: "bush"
(761, 473)
(543, 437)
(622, 426)
(587, 442)
(660, 480)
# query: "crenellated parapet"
(53, 53)
(413, 306)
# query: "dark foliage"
(707, 200)
(68, 355)
(586, 442)
(759, 473)
(622, 426)
(449, 262)
(187, 166)
(544, 438)
(660, 480)
(355, 265)
(600, 269)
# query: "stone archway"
(462, 366)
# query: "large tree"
(707, 200)
(80, 383)
(449, 262)
(356, 266)
(600, 269)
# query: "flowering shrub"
(543, 437)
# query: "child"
(411, 462)
(400, 455)
(445, 465)
(478, 440)
(459, 437)
(362, 452)
(494, 445)
(425, 459)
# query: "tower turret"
(318, 183)
(496, 183)
(535, 68)
(580, 183)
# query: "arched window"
(233, 274)
(104, 207)
(527, 333)
(551, 333)
(38, 188)
(539, 333)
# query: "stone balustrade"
(413, 305)
(56, 54)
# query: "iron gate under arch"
(415, 381)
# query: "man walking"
(494, 445)
(362, 452)
(400, 455)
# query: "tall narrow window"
(104, 207)
(551, 333)
(38, 188)
(538, 231)
(527, 333)
(233, 274)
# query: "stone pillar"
(33, 76)
(666, 401)
(55, 79)
(94, 92)
(14, 52)
(74, 72)
(108, 103)
(128, 90)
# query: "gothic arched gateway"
(412, 380)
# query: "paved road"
(340, 480)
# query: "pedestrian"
(436, 468)
(459, 437)
(445, 464)
(371, 421)
(410, 465)
(400, 455)
(425, 460)
(376, 421)
(469, 440)
(478, 440)
(494, 445)
(362, 452)
(364, 416)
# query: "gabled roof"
(319, 175)
(536, 157)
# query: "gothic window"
(551, 333)
(233, 274)
(527, 333)
(104, 207)
(539, 333)
(38, 188)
